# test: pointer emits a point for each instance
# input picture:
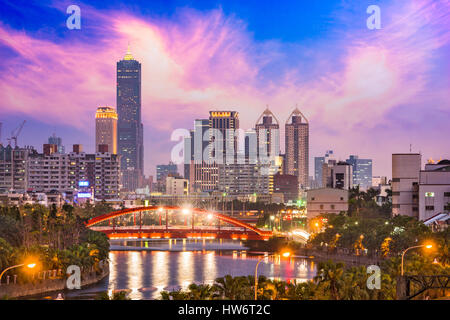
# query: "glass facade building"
(130, 129)
(362, 171)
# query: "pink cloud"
(210, 61)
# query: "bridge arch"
(262, 234)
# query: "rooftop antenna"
(1, 124)
(410, 148)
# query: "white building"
(405, 180)
(434, 189)
(326, 200)
(177, 186)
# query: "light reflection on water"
(144, 274)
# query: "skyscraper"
(224, 124)
(130, 129)
(362, 171)
(267, 135)
(297, 147)
(58, 142)
(106, 130)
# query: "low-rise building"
(326, 200)
(177, 186)
(434, 189)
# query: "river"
(145, 273)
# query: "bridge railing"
(103, 228)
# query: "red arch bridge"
(172, 222)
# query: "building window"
(429, 194)
(429, 208)
(342, 198)
(313, 198)
(396, 193)
(447, 208)
(332, 207)
(446, 194)
(321, 206)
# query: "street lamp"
(30, 265)
(428, 246)
(285, 254)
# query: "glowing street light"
(30, 266)
(185, 211)
(428, 246)
(285, 254)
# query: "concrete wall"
(49, 285)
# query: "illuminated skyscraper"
(130, 129)
(297, 147)
(106, 130)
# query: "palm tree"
(330, 277)
(200, 292)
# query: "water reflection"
(144, 274)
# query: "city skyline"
(173, 86)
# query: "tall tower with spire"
(129, 125)
(297, 147)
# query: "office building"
(297, 147)
(164, 170)
(106, 130)
(405, 180)
(268, 137)
(58, 142)
(129, 125)
(287, 185)
(362, 171)
(318, 164)
(342, 175)
(223, 136)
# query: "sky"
(365, 92)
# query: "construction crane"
(15, 133)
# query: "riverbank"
(352, 260)
(19, 291)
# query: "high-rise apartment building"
(106, 130)
(130, 128)
(362, 171)
(13, 168)
(297, 147)
(405, 180)
(98, 172)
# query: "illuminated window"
(429, 194)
